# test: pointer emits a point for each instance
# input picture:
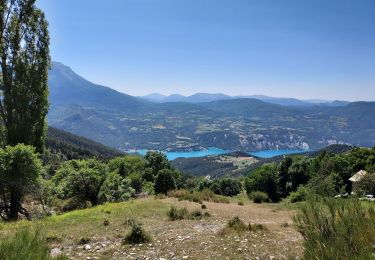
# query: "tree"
(126, 165)
(165, 181)
(25, 60)
(116, 188)
(366, 185)
(264, 179)
(82, 179)
(299, 172)
(284, 175)
(19, 172)
(155, 161)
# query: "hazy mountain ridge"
(207, 97)
(245, 124)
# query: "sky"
(307, 49)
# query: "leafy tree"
(25, 60)
(284, 175)
(136, 182)
(155, 162)
(80, 178)
(19, 171)
(165, 181)
(116, 188)
(299, 172)
(126, 165)
(264, 179)
(230, 187)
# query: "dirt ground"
(188, 239)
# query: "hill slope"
(76, 147)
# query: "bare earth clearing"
(82, 234)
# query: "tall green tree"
(25, 60)
(24, 63)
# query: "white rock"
(185, 257)
(56, 252)
(87, 247)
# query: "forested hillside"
(71, 146)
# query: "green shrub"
(259, 197)
(234, 225)
(25, 244)
(264, 179)
(165, 181)
(299, 195)
(177, 214)
(75, 203)
(204, 206)
(196, 215)
(137, 235)
(366, 185)
(241, 203)
(198, 196)
(337, 229)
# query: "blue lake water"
(191, 154)
(217, 151)
(273, 153)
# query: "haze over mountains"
(247, 124)
(208, 97)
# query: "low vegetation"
(24, 244)
(137, 235)
(337, 229)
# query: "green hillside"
(75, 147)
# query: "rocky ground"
(186, 239)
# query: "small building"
(358, 176)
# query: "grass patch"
(238, 226)
(26, 244)
(337, 229)
(177, 214)
(198, 196)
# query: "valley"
(245, 124)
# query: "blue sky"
(291, 48)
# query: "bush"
(235, 224)
(264, 179)
(337, 229)
(196, 215)
(74, 203)
(177, 214)
(204, 206)
(116, 188)
(25, 244)
(165, 181)
(230, 187)
(366, 185)
(241, 203)
(259, 197)
(198, 196)
(299, 195)
(137, 235)
(80, 178)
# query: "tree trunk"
(15, 199)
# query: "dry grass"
(197, 239)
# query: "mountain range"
(208, 97)
(246, 124)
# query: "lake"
(217, 151)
